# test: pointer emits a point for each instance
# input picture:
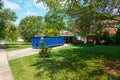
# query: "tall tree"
(54, 22)
(6, 15)
(55, 17)
(11, 32)
(82, 13)
(30, 26)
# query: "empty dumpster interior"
(49, 41)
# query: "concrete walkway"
(5, 73)
(25, 52)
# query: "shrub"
(117, 37)
(118, 66)
(98, 37)
(106, 36)
(112, 39)
(45, 51)
(74, 38)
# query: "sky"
(24, 8)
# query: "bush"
(106, 36)
(45, 51)
(112, 39)
(98, 37)
(117, 37)
(74, 38)
(105, 39)
(118, 67)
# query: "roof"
(109, 21)
(66, 33)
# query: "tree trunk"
(85, 40)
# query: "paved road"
(5, 72)
(25, 52)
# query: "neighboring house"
(108, 25)
(111, 26)
(68, 36)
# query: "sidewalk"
(5, 73)
(25, 52)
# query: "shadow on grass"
(78, 63)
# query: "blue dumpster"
(49, 41)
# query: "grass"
(69, 63)
(16, 45)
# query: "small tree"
(45, 51)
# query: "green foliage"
(54, 19)
(112, 39)
(54, 23)
(6, 16)
(11, 32)
(118, 66)
(45, 51)
(30, 26)
(77, 14)
(98, 37)
(74, 38)
(51, 32)
(106, 36)
(117, 37)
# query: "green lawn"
(69, 63)
(16, 45)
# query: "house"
(68, 36)
(110, 26)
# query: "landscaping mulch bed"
(112, 66)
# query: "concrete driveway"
(25, 52)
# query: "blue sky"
(24, 8)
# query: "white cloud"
(11, 5)
(28, 13)
(40, 4)
(28, 3)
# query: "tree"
(30, 26)
(6, 16)
(82, 13)
(11, 32)
(54, 23)
(54, 18)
